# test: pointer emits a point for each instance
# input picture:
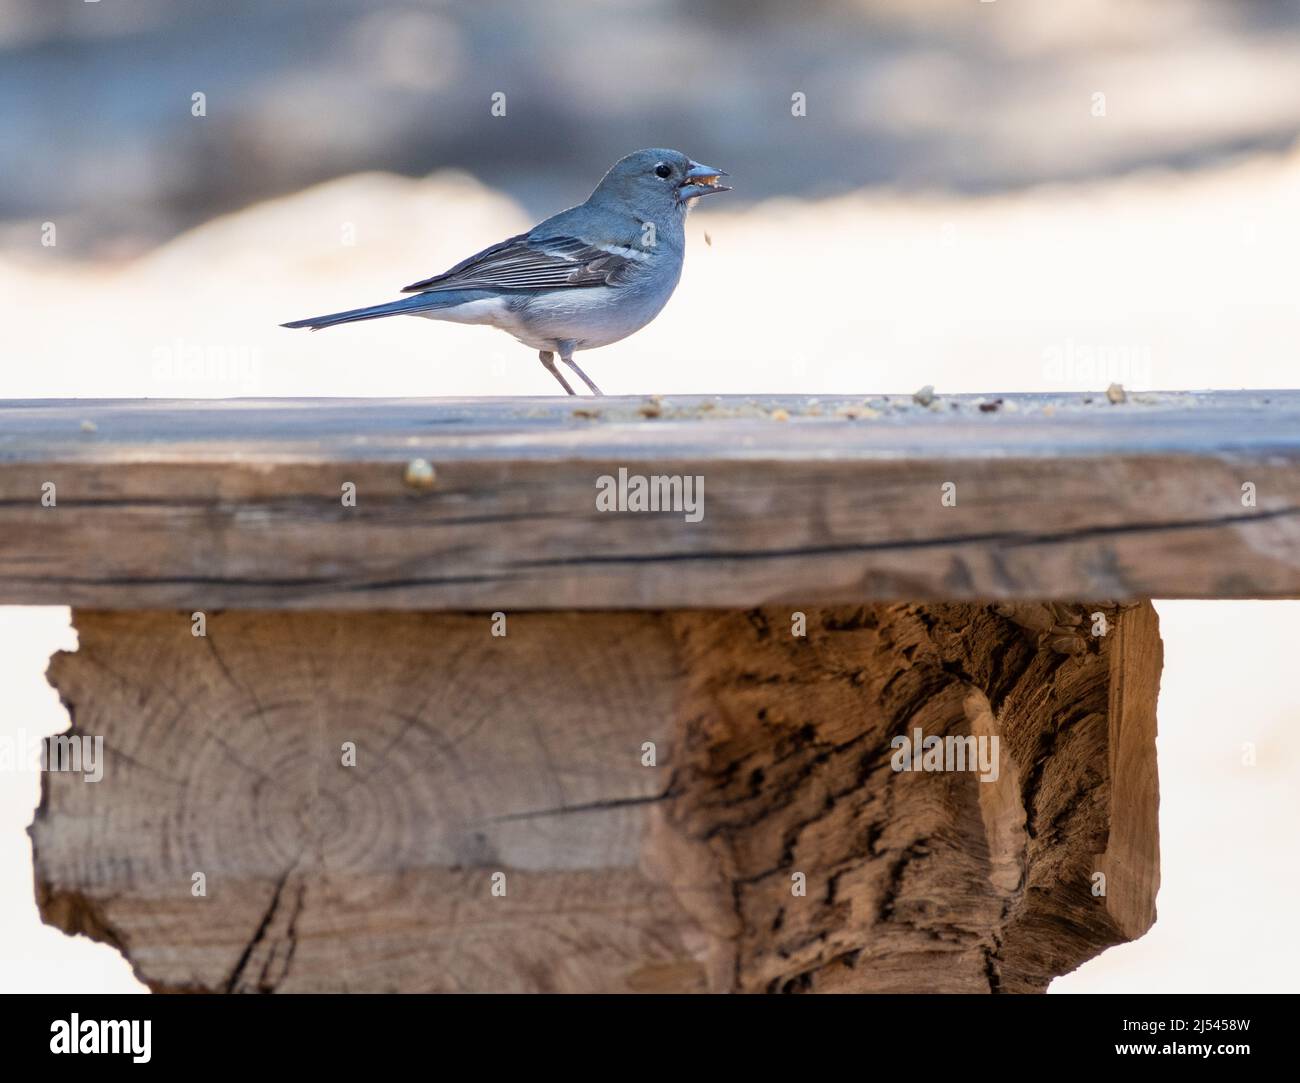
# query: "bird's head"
(657, 180)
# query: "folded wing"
(526, 262)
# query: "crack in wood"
(590, 806)
(259, 934)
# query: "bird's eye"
(662, 170)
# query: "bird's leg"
(585, 378)
(548, 359)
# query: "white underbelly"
(489, 310)
(586, 317)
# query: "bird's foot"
(582, 375)
(548, 360)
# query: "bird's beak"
(701, 180)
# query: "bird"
(584, 278)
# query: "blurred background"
(940, 96)
(1010, 195)
(1013, 195)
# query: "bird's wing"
(528, 262)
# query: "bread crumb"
(420, 474)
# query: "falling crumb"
(420, 474)
(707, 239)
(89, 426)
(1116, 393)
(780, 414)
(925, 396)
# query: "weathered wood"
(523, 754)
(238, 503)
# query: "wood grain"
(238, 503)
(523, 755)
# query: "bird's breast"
(599, 315)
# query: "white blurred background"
(1007, 196)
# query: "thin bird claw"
(548, 359)
(582, 375)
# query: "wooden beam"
(239, 503)
(674, 801)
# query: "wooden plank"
(772, 844)
(238, 503)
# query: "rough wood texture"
(237, 504)
(479, 754)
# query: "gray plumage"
(583, 278)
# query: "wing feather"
(528, 263)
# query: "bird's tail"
(420, 302)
